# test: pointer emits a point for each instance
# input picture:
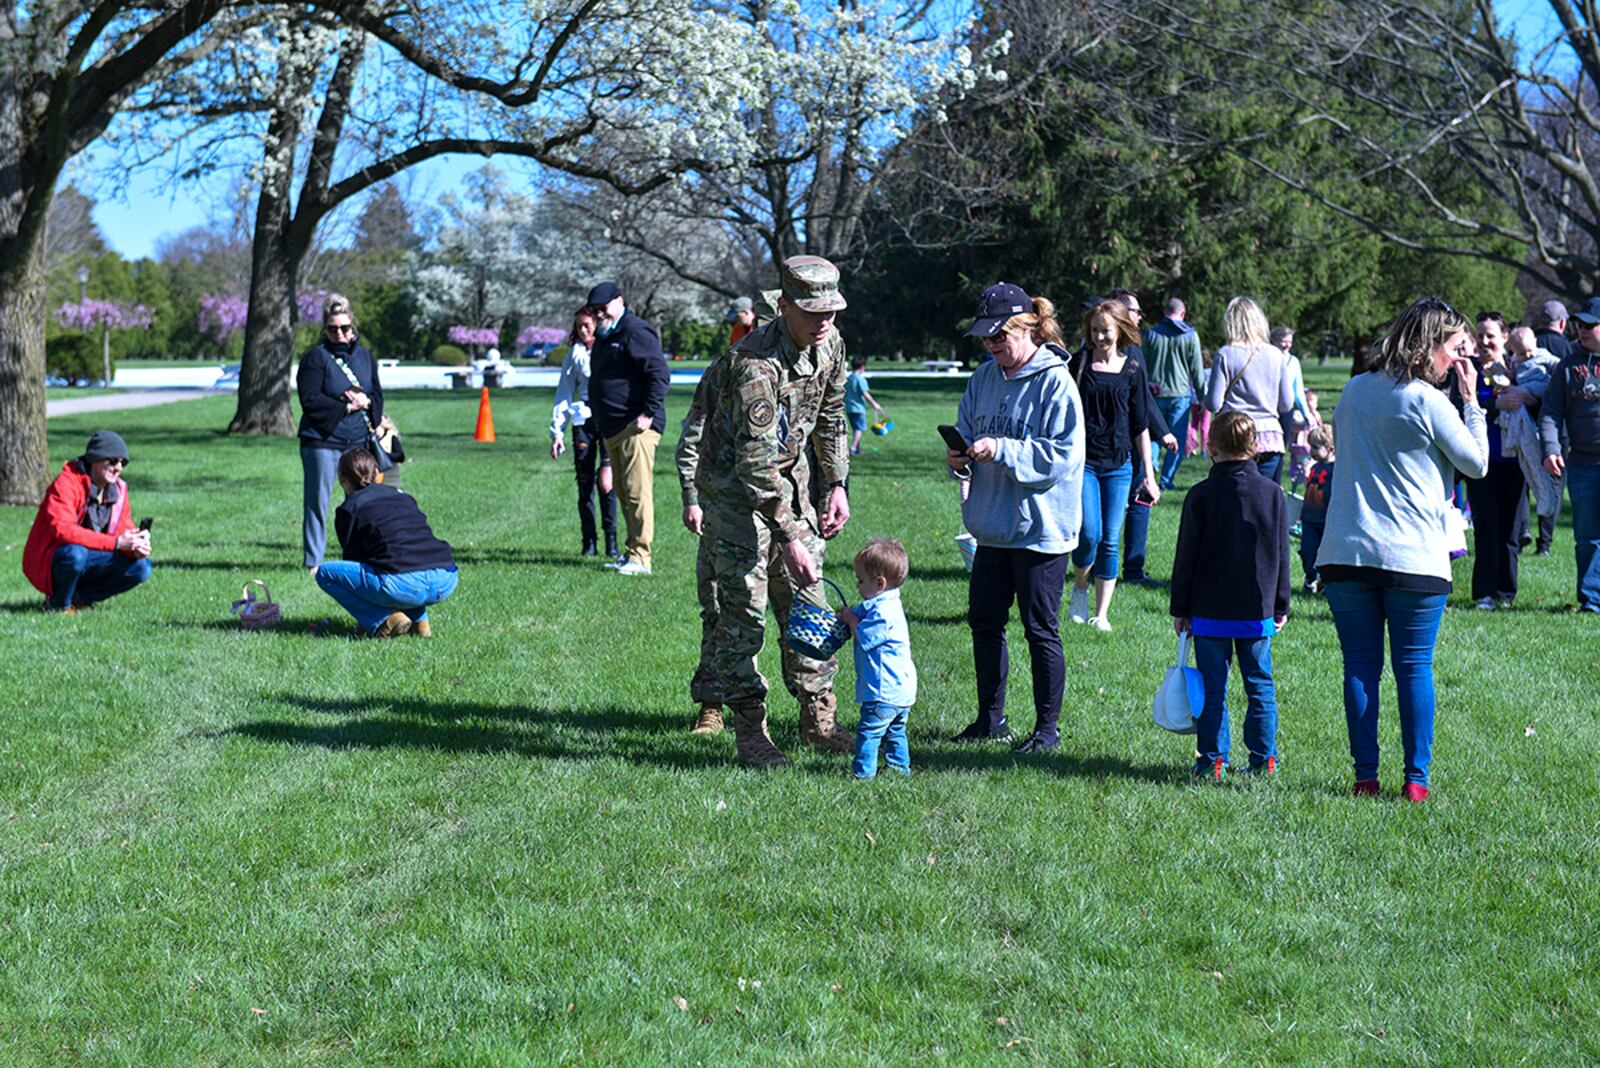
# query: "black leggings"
(1034, 581)
(588, 456)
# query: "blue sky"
(136, 211)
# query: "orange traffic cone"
(485, 431)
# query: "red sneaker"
(1366, 788)
(1414, 792)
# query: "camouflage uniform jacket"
(765, 401)
(687, 456)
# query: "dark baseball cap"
(1590, 312)
(999, 302)
(106, 445)
(603, 294)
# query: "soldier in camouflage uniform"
(776, 392)
(702, 688)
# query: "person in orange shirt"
(742, 314)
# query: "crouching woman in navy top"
(393, 566)
(1023, 424)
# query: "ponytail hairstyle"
(358, 467)
(1040, 324)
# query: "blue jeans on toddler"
(1105, 508)
(886, 724)
(1360, 613)
(1212, 656)
(1310, 543)
(82, 576)
(371, 595)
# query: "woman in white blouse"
(588, 451)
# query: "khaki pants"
(633, 461)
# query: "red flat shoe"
(1365, 788)
(1414, 792)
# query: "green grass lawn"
(503, 846)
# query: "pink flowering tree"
(540, 335)
(221, 316)
(474, 337)
(105, 316)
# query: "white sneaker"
(1079, 609)
(1486, 604)
(634, 567)
(1101, 624)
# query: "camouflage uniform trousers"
(743, 580)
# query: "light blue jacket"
(884, 671)
(1031, 495)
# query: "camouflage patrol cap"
(812, 283)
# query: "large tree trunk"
(269, 323)
(24, 458)
(268, 337)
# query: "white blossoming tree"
(537, 77)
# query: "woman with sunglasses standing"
(340, 401)
(1385, 557)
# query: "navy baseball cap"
(603, 294)
(1590, 312)
(999, 303)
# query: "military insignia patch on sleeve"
(760, 414)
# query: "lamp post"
(83, 285)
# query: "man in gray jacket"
(1177, 375)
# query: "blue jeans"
(371, 595)
(1175, 410)
(1136, 537)
(1211, 656)
(81, 576)
(886, 724)
(1583, 486)
(1270, 464)
(1105, 507)
(1360, 612)
(1310, 542)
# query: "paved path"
(115, 402)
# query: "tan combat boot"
(819, 729)
(710, 720)
(752, 744)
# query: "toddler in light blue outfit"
(886, 679)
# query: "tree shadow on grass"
(555, 734)
(166, 563)
(929, 620)
(1057, 762)
(32, 606)
(525, 557)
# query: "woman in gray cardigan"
(1251, 375)
(1385, 556)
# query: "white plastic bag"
(1182, 695)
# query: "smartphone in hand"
(147, 522)
(952, 438)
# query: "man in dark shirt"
(628, 380)
(1551, 329)
(1572, 411)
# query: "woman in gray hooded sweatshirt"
(1023, 423)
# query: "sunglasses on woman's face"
(342, 329)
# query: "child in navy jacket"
(1230, 589)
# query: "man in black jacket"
(628, 380)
